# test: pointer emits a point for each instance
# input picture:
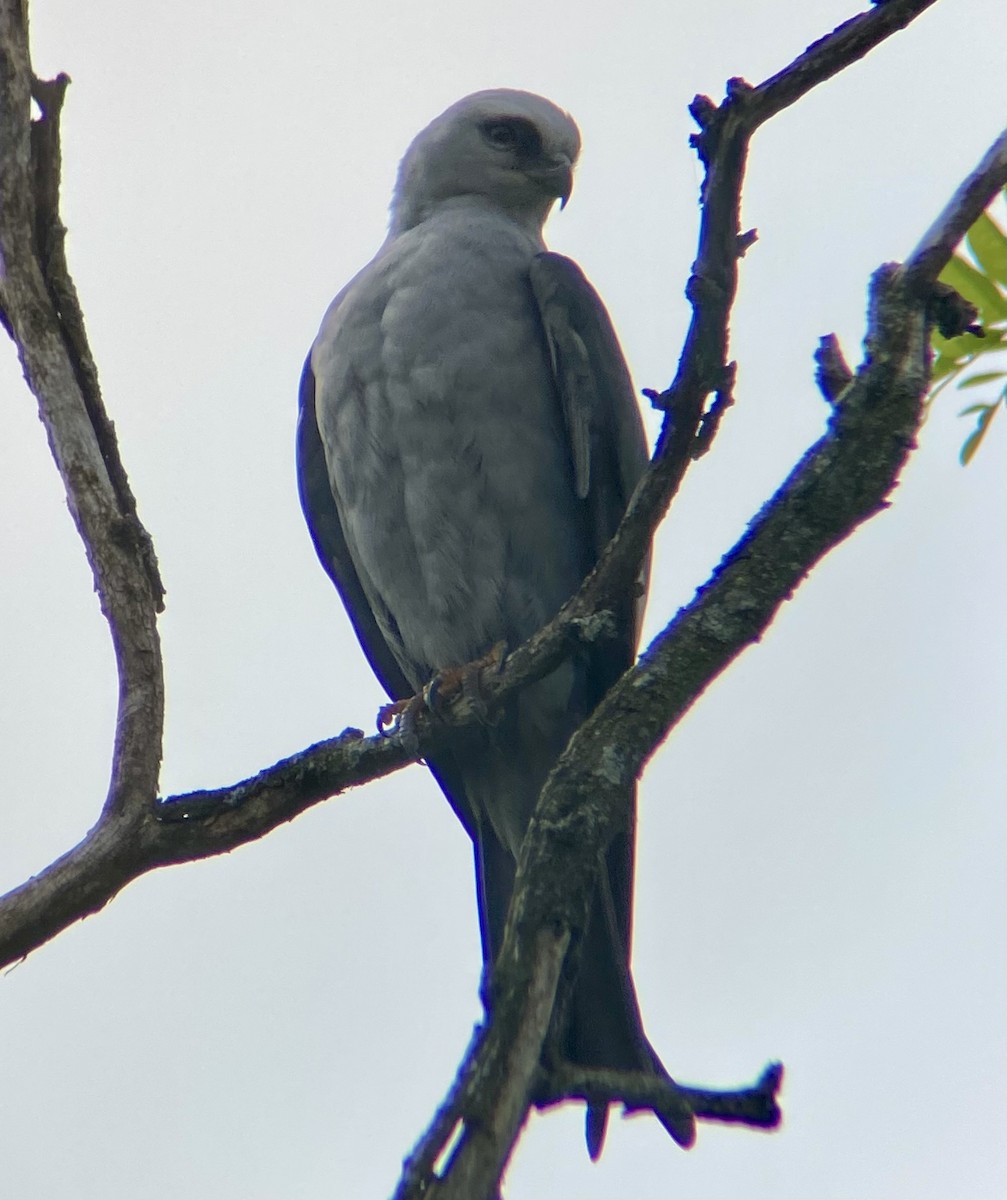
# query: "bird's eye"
(501, 134)
(515, 134)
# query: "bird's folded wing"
(607, 444)
(609, 452)
(326, 529)
(330, 543)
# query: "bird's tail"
(605, 1029)
(603, 1026)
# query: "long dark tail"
(604, 1028)
(494, 789)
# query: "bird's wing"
(609, 453)
(330, 543)
(608, 449)
(327, 534)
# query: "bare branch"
(503, 1076)
(961, 212)
(418, 1169)
(833, 53)
(754, 1106)
(43, 320)
(50, 238)
(198, 825)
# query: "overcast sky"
(821, 863)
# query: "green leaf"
(985, 377)
(995, 339)
(986, 414)
(970, 446)
(943, 367)
(984, 285)
(977, 289)
(988, 244)
(961, 348)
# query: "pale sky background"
(821, 862)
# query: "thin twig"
(754, 1106)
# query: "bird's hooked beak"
(555, 176)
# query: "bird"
(468, 441)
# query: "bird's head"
(514, 149)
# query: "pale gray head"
(513, 149)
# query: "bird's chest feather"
(447, 449)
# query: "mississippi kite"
(468, 442)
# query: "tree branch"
(57, 367)
(845, 45)
(960, 213)
(754, 1106)
(50, 239)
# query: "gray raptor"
(468, 442)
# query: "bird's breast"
(446, 446)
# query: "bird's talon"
(443, 688)
(399, 719)
(390, 716)
(432, 693)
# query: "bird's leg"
(443, 691)
(466, 682)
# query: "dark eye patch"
(513, 133)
